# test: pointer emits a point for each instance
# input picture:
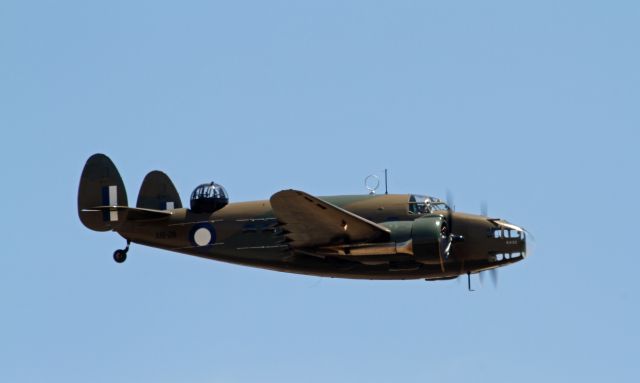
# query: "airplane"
(371, 236)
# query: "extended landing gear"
(120, 255)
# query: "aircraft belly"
(277, 257)
(286, 261)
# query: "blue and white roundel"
(202, 234)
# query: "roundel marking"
(202, 234)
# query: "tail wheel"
(119, 256)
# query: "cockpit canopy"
(208, 198)
(422, 204)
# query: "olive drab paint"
(388, 236)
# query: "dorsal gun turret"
(208, 198)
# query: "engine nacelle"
(426, 233)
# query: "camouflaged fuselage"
(248, 233)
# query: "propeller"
(449, 223)
(493, 273)
(446, 235)
(531, 242)
(484, 209)
(444, 248)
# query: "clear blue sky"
(533, 107)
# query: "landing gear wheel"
(119, 256)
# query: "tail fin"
(158, 192)
(100, 185)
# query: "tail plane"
(100, 186)
(102, 198)
(158, 192)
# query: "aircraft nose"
(510, 241)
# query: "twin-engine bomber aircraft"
(386, 236)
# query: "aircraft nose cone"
(510, 241)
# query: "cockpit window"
(421, 204)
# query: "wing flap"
(309, 221)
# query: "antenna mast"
(386, 191)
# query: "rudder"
(158, 192)
(100, 185)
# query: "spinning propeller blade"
(494, 277)
(446, 238)
(493, 273)
(484, 209)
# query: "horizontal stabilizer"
(129, 213)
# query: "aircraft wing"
(309, 221)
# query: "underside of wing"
(311, 222)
